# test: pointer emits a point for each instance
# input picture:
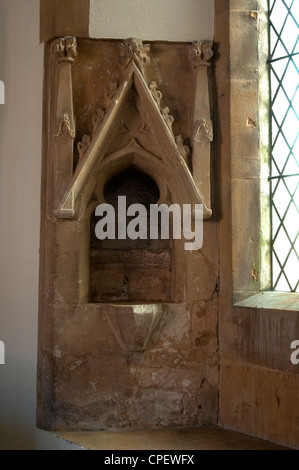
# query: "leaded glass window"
(284, 122)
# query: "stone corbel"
(202, 134)
(66, 52)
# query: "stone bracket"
(136, 327)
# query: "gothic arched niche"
(114, 311)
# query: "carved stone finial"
(83, 145)
(97, 119)
(65, 127)
(156, 94)
(167, 118)
(134, 49)
(184, 150)
(202, 52)
(66, 49)
(203, 130)
(126, 54)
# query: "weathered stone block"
(244, 121)
(205, 317)
(184, 380)
(176, 333)
(160, 408)
(246, 233)
(82, 329)
(159, 358)
(89, 378)
(258, 408)
(208, 403)
(244, 5)
(244, 65)
(201, 277)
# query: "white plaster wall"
(21, 69)
(165, 20)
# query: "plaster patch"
(169, 20)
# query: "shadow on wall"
(17, 413)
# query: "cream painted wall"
(21, 69)
(167, 20)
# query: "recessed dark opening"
(130, 270)
(136, 185)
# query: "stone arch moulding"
(156, 121)
(91, 137)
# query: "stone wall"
(258, 382)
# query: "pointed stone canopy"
(169, 163)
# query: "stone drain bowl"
(136, 327)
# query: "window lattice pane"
(284, 83)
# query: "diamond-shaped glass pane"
(289, 34)
(292, 183)
(292, 269)
(279, 68)
(292, 166)
(293, 228)
(282, 245)
(278, 15)
(278, 48)
(282, 284)
(291, 78)
(281, 198)
(295, 103)
(280, 106)
(291, 127)
(284, 83)
(288, 3)
(279, 152)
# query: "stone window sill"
(268, 300)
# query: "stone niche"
(127, 328)
(123, 270)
